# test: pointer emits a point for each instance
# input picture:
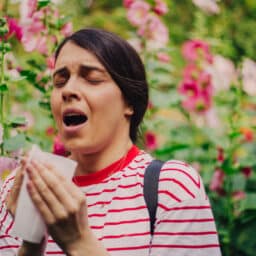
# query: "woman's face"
(86, 103)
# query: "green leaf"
(15, 143)
(3, 87)
(249, 202)
(42, 3)
(17, 121)
(168, 150)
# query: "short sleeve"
(8, 245)
(184, 221)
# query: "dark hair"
(123, 64)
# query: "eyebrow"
(82, 68)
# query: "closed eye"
(60, 77)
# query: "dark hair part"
(123, 64)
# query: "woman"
(99, 98)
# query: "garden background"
(200, 61)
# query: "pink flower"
(128, 3)
(150, 140)
(189, 88)
(50, 131)
(209, 6)
(58, 147)
(50, 62)
(163, 57)
(196, 49)
(160, 7)
(155, 31)
(14, 28)
(238, 195)
(137, 12)
(27, 9)
(67, 29)
(217, 180)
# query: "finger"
(45, 192)
(69, 194)
(40, 204)
(74, 190)
(11, 200)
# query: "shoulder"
(178, 182)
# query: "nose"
(70, 92)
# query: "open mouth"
(74, 119)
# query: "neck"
(92, 162)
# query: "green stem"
(5, 7)
(2, 96)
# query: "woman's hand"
(12, 198)
(62, 206)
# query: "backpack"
(150, 190)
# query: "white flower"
(249, 77)
(223, 73)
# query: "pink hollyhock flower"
(128, 3)
(67, 29)
(194, 49)
(249, 77)
(14, 28)
(191, 72)
(189, 88)
(247, 171)
(209, 6)
(50, 62)
(154, 31)
(217, 180)
(160, 7)
(27, 9)
(150, 140)
(138, 12)
(163, 57)
(58, 147)
(238, 195)
(199, 103)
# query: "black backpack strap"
(150, 189)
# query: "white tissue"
(28, 224)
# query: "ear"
(128, 111)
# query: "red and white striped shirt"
(119, 216)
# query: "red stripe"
(205, 233)
(130, 185)
(10, 226)
(127, 197)
(128, 248)
(169, 194)
(125, 235)
(3, 220)
(138, 160)
(100, 192)
(136, 168)
(5, 184)
(177, 162)
(9, 246)
(128, 209)
(120, 223)
(180, 184)
(185, 220)
(200, 207)
(201, 246)
(197, 183)
(96, 215)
